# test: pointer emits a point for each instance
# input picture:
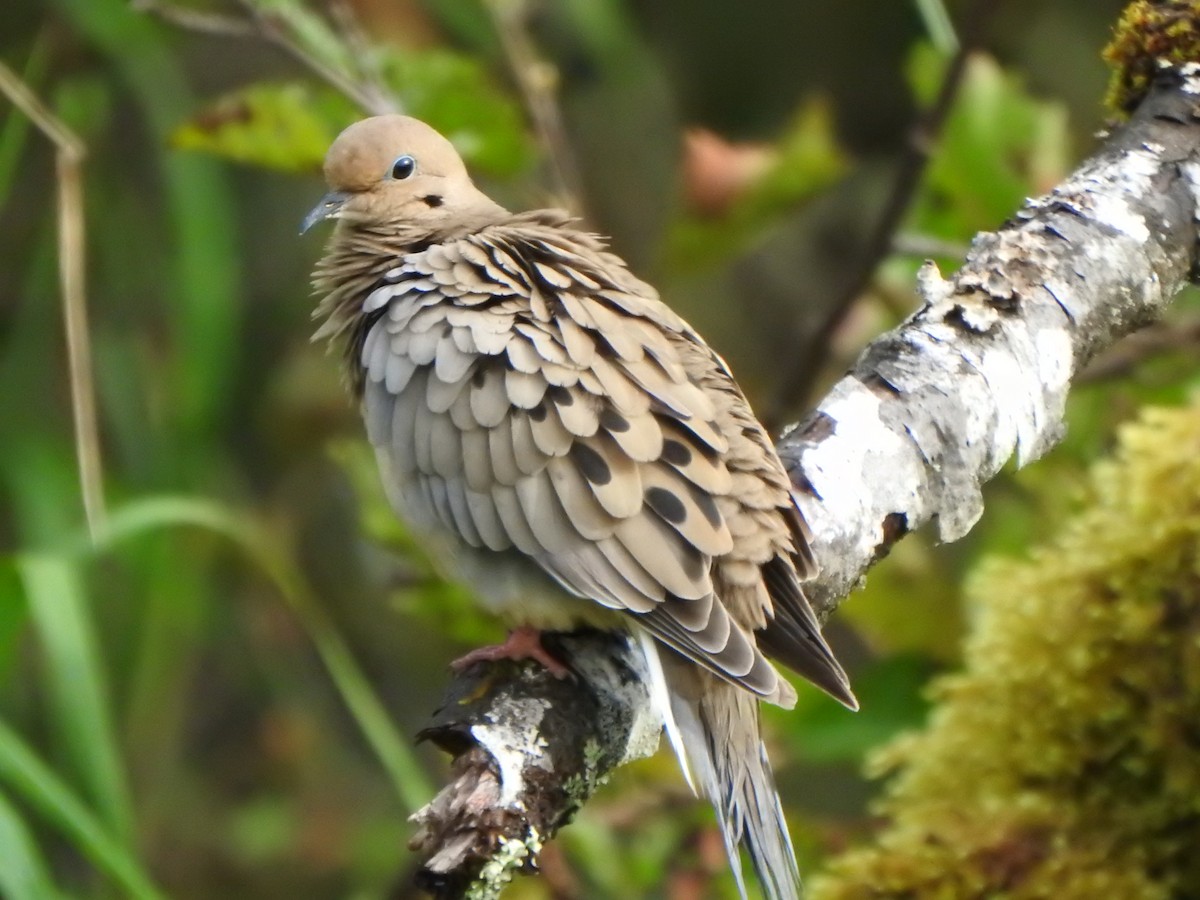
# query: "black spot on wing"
(613, 421)
(676, 452)
(354, 347)
(666, 504)
(591, 464)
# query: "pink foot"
(522, 643)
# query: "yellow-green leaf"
(287, 127)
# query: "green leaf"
(13, 613)
(24, 874)
(939, 25)
(27, 775)
(467, 25)
(998, 146)
(286, 127)
(78, 686)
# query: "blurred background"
(219, 696)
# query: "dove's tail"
(714, 728)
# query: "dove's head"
(396, 170)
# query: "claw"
(522, 643)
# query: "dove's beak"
(330, 205)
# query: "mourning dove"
(571, 447)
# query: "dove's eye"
(403, 167)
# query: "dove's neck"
(355, 261)
(359, 255)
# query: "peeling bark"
(529, 750)
(932, 410)
(980, 373)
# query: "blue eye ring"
(403, 167)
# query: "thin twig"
(927, 246)
(195, 20)
(537, 80)
(269, 30)
(798, 380)
(265, 27)
(70, 152)
(366, 61)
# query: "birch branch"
(980, 374)
(929, 413)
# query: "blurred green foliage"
(804, 160)
(1000, 145)
(218, 697)
(287, 127)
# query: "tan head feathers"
(396, 170)
(367, 151)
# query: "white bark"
(980, 374)
(529, 751)
(931, 411)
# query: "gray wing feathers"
(548, 407)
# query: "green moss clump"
(1150, 32)
(1064, 762)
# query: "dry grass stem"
(72, 247)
